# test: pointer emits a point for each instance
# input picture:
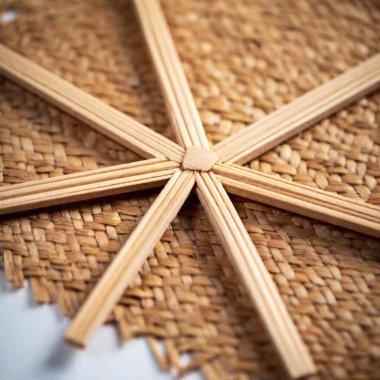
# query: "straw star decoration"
(192, 163)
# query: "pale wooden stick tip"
(74, 341)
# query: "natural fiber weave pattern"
(269, 56)
(242, 60)
(38, 141)
(97, 47)
(247, 58)
(341, 154)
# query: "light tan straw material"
(243, 60)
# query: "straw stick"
(307, 201)
(179, 100)
(253, 274)
(85, 185)
(97, 114)
(300, 114)
(130, 258)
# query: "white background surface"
(32, 346)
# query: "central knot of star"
(200, 159)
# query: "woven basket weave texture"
(243, 60)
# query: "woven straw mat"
(243, 60)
